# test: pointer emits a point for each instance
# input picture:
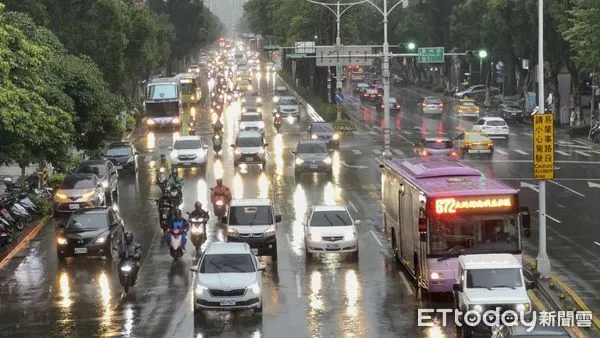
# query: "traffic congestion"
(235, 213)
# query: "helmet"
(219, 181)
(198, 205)
(163, 157)
(174, 172)
(178, 213)
(128, 237)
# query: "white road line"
(289, 239)
(563, 153)
(581, 142)
(377, 128)
(552, 218)
(595, 152)
(376, 151)
(528, 134)
(521, 152)
(376, 238)
(373, 132)
(501, 152)
(582, 153)
(298, 287)
(407, 132)
(598, 244)
(409, 288)
(353, 206)
(567, 188)
(398, 152)
(356, 151)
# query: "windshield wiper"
(341, 219)
(504, 286)
(328, 220)
(254, 218)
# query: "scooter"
(217, 144)
(165, 209)
(219, 207)
(162, 178)
(192, 128)
(175, 244)
(128, 268)
(198, 231)
(277, 121)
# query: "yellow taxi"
(466, 107)
(472, 143)
(244, 86)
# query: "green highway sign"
(271, 47)
(295, 56)
(431, 55)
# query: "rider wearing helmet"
(164, 163)
(220, 190)
(199, 212)
(131, 250)
(175, 179)
(180, 223)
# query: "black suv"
(123, 155)
(108, 175)
(91, 232)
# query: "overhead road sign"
(344, 56)
(431, 55)
(543, 147)
(305, 47)
(295, 56)
(272, 47)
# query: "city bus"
(436, 209)
(163, 106)
(191, 91)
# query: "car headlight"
(275, 99)
(254, 288)
(200, 289)
(314, 137)
(162, 169)
(126, 268)
(327, 160)
(299, 160)
(314, 237)
(105, 184)
(232, 232)
(175, 120)
(100, 240)
(250, 87)
(477, 308)
(270, 231)
(61, 195)
(193, 97)
(278, 115)
(258, 100)
(61, 241)
(150, 122)
(350, 236)
(88, 195)
(237, 152)
(258, 109)
(336, 136)
(131, 159)
(219, 203)
(243, 110)
(261, 124)
(261, 151)
(436, 275)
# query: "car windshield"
(288, 102)
(87, 221)
(438, 145)
(187, 144)
(245, 82)
(322, 127)
(496, 123)
(468, 104)
(249, 215)
(162, 91)
(227, 263)
(122, 151)
(246, 142)
(312, 148)
(494, 278)
(392, 100)
(71, 182)
(250, 118)
(477, 137)
(97, 169)
(433, 101)
(330, 218)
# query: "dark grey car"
(324, 131)
(435, 146)
(312, 156)
(108, 174)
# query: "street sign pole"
(543, 261)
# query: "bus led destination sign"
(454, 205)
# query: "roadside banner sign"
(543, 147)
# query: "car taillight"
(424, 104)
(382, 106)
(441, 105)
(453, 154)
(378, 94)
(424, 153)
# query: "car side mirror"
(457, 288)
(265, 145)
(233, 146)
(205, 146)
(277, 218)
(530, 285)
(170, 148)
(262, 266)
(357, 222)
(194, 269)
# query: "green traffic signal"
(411, 46)
(482, 54)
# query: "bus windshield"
(188, 88)
(473, 234)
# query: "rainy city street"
(327, 296)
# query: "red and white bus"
(436, 209)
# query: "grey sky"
(229, 11)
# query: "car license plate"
(227, 302)
(249, 158)
(73, 206)
(313, 166)
(513, 114)
(333, 246)
(119, 167)
(80, 250)
(255, 252)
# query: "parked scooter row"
(16, 210)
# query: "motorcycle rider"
(218, 127)
(163, 163)
(174, 179)
(220, 190)
(131, 250)
(199, 212)
(181, 223)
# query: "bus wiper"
(453, 254)
(505, 286)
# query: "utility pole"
(543, 261)
(386, 75)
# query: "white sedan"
(492, 127)
(252, 121)
(330, 229)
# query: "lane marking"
(376, 239)
(373, 132)
(407, 132)
(353, 206)
(521, 152)
(563, 153)
(376, 151)
(540, 306)
(581, 142)
(501, 152)
(582, 153)
(398, 152)
(598, 244)
(550, 217)
(528, 134)
(567, 188)
(298, 289)
(406, 284)
(356, 151)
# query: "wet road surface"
(330, 296)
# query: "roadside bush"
(130, 124)
(55, 179)
(344, 125)
(43, 204)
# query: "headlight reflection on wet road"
(315, 298)
(300, 206)
(150, 141)
(278, 149)
(238, 186)
(65, 290)
(352, 293)
(336, 165)
(105, 295)
(332, 194)
(263, 186)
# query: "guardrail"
(309, 109)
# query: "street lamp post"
(386, 75)
(482, 55)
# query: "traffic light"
(408, 46)
(482, 53)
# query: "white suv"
(228, 277)
(188, 151)
(492, 127)
(252, 121)
(330, 228)
(288, 106)
(250, 148)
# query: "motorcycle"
(165, 210)
(162, 178)
(192, 128)
(128, 267)
(175, 244)
(217, 144)
(277, 121)
(220, 206)
(595, 132)
(198, 231)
